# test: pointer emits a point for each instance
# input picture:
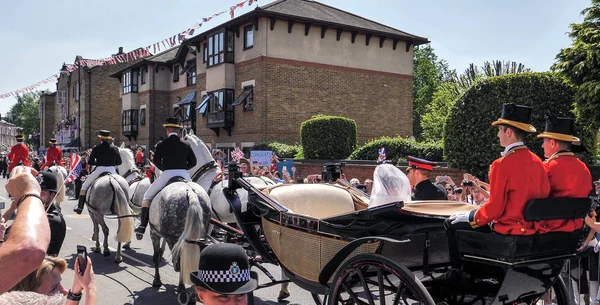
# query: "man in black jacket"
(105, 157)
(419, 171)
(58, 227)
(174, 157)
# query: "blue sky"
(37, 36)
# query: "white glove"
(460, 217)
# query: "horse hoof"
(183, 298)
(283, 295)
(106, 252)
(96, 249)
(139, 236)
(118, 259)
(94, 238)
(156, 283)
(127, 245)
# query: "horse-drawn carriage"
(327, 241)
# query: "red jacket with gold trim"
(515, 179)
(569, 177)
(53, 153)
(19, 152)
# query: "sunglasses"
(449, 190)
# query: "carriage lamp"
(234, 174)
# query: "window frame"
(248, 29)
(251, 97)
(130, 82)
(219, 48)
(176, 69)
(191, 74)
(142, 76)
(129, 121)
(143, 116)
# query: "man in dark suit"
(174, 157)
(418, 172)
(105, 157)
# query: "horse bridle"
(203, 169)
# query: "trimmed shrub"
(281, 149)
(328, 137)
(397, 149)
(471, 143)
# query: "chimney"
(120, 50)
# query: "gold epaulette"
(513, 150)
(556, 155)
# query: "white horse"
(61, 175)
(138, 183)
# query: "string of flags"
(138, 53)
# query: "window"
(191, 72)
(176, 69)
(143, 116)
(129, 121)
(248, 37)
(219, 48)
(143, 76)
(77, 91)
(204, 52)
(130, 82)
(246, 98)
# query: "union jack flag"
(382, 157)
(75, 168)
(237, 154)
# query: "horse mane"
(128, 156)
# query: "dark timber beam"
(323, 31)
(290, 26)
(381, 41)
(396, 43)
(354, 34)
(369, 36)
(306, 29)
(339, 34)
(273, 20)
(236, 30)
(408, 44)
(256, 24)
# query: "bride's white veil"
(390, 184)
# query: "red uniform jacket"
(515, 179)
(53, 153)
(568, 177)
(139, 157)
(19, 152)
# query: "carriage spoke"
(381, 286)
(365, 287)
(352, 295)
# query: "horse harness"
(203, 169)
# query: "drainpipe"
(152, 111)
(89, 125)
(79, 104)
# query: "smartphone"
(82, 255)
(466, 176)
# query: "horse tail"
(121, 203)
(60, 181)
(189, 253)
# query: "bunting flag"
(138, 53)
(237, 154)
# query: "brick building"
(87, 100)
(257, 77)
(47, 116)
(8, 132)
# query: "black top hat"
(52, 141)
(104, 134)
(19, 137)
(224, 269)
(561, 129)
(47, 181)
(172, 122)
(518, 116)
(420, 164)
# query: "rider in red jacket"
(53, 154)
(19, 152)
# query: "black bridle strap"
(203, 169)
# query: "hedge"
(281, 149)
(328, 137)
(471, 143)
(397, 149)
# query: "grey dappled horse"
(61, 175)
(110, 191)
(181, 211)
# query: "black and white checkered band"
(224, 276)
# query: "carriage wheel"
(319, 299)
(375, 279)
(562, 294)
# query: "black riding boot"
(141, 228)
(79, 208)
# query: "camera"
(331, 172)
(467, 183)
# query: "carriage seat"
(442, 208)
(521, 248)
(314, 200)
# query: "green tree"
(580, 63)
(428, 73)
(25, 113)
